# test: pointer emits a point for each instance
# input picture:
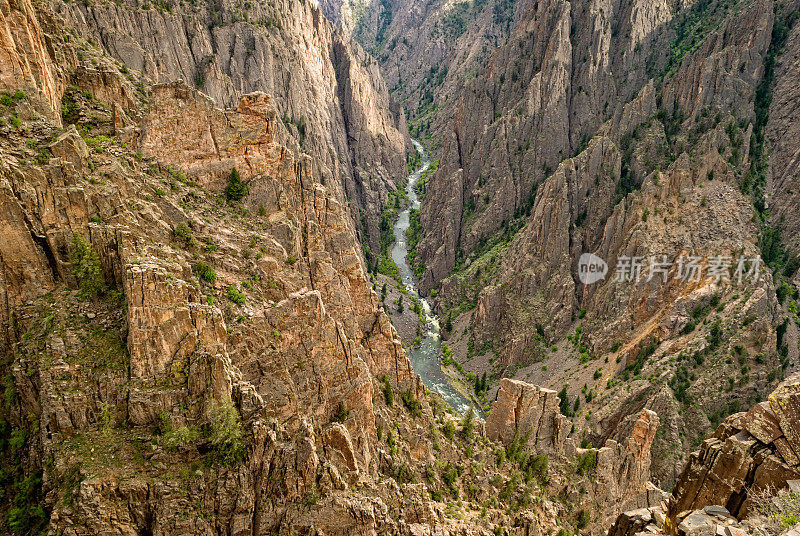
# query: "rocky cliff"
(327, 91)
(428, 50)
(743, 480)
(781, 125)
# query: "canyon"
(258, 259)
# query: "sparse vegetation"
(388, 394)
(341, 413)
(235, 296)
(86, 266)
(781, 509)
(225, 432)
(411, 403)
(587, 462)
(205, 272)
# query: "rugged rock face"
(529, 412)
(750, 452)
(189, 350)
(749, 462)
(497, 140)
(290, 330)
(185, 353)
(327, 91)
(30, 56)
(624, 130)
(781, 130)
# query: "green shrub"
(28, 519)
(226, 432)
(587, 462)
(714, 336)
(391, 442)
(537, 466)
(17, 439)
(468, 423)
(388, 394)
(341, 413)
(582, 519)
(7, 99)
(563, 405)
(449, 430)
(205, 272)
(86, 266)
(180, 437)
(236, 189)
(235, 296)
(183, 233)
(449, 475)
(411, 403)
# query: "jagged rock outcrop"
(529, 417)
(185, 128)
(735, 479)
(622, 476)
(709, 520)
(626, 467)
(528, 412)
(749, 452)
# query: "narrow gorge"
(425, 357)
(407, 267)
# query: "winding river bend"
(424, 358)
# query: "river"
(425, 357)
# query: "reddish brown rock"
(32, 56)
(527, 411)
(747, 453)
(762, 423)
(785, 402)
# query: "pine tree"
(563, 406)
(236, 189)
